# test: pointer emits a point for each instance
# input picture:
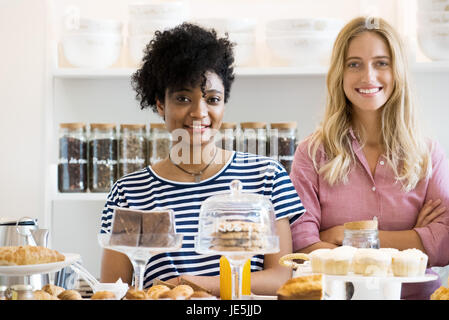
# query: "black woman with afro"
(186, 77)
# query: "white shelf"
(86, 73)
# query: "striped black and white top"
(145, 190)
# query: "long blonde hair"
(405, 147)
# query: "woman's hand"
(333, 235)
(429, 212)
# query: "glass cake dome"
(237, 224)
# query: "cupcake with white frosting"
(371, 262)
(409, 263)
(338, 261)
(317, 260)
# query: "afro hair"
(180, 57)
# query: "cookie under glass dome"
(237, 225)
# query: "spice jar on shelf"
(227, 139)
(254, 138)
(159, 142)
(132, 148)
(72, 163)
(283, 143)
(103, 157)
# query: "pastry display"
(104, 295)
(141, 228)
(70, 295)
(409, 263)
(156, 291)
(239, 236)
(26, 255)
(308, 287)
(371, 262)
(52, 289)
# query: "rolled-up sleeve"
(306, 231)
(435, 236)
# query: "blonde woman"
(368, 157)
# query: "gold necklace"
(195, 175)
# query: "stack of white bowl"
(148, 17)
(433, 28)
(302, 41)
(241, 32)
(92, 43)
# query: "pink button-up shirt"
(366, 196)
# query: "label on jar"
(72, 161)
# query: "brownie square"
(157, 229)
(126, 227)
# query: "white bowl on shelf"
(148, 27)
(303, 49)
(88, 25)
(437, 5)
(158, 10)
(230, 25)
(136, 46)
(90, 50)
(245, 48)
(434, 41)
(304, 25)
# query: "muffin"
(371, 262)
(390, 252)
(316, 258)
(337, 261)
(409, 263)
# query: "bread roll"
(70, 295)
(52, 289)
(103, 295)
(133, 294)
(156, 291)
(43, 295)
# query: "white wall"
(22, 56)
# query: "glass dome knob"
(236, 186)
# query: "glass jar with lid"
(254, 138)
(227, 137)
(237, 225)
(20, 292)
(132, 148)
(72, 163)
(103, 157)
(361, 234)
(159, 142)
(283, 143)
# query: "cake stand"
(365, 287)
(140, 255)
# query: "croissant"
(24, 255)
(70, 295)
